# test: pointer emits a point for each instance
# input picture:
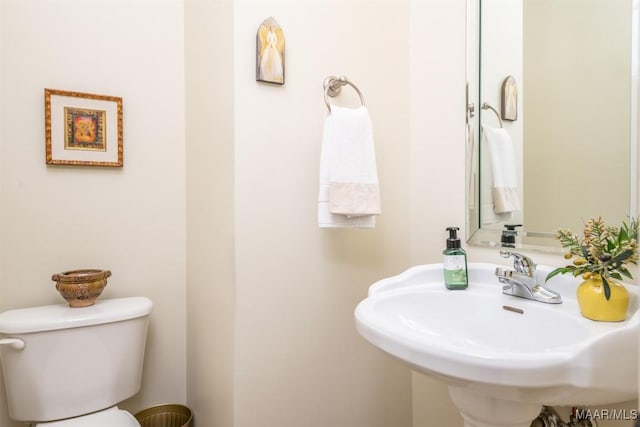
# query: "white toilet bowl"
(112, 417)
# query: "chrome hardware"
(471, 107)
(522, 264)
(486, 106)
(520, 282)
(333, 86)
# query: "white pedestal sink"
(502, 357)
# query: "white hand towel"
(506, 197)
(349, 194)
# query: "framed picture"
(82, 129)
(509, 99)
(270, 52)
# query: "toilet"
(70, 367)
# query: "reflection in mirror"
(567, 148)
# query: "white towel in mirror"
(506, 197)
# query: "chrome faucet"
(520, 282)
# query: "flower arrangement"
(602, 250)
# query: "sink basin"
(501, 350)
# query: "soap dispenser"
(455, 262)
(509, 234)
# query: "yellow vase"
(595, 306)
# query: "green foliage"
(601, 250)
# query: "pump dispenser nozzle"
(453, 241)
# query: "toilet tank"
(74, 360)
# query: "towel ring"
(333, 86)
(486, 106)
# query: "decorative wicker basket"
(81, 288)
(168, 415)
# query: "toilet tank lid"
(61, 316)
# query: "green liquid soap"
(455, 262)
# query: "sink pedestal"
(480, 410)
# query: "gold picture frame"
(82, 129)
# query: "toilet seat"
(112, 417)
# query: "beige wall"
(210, 210)
(299, 360)
(130, 220)
(437, 182)
(580, 126)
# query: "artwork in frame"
(270, 52)
(82, 129)
(509, 99)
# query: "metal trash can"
(168, 415)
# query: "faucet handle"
(521, 263)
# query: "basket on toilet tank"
(81, 288)
(60, 362)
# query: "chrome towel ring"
(333, 86)
(486, 106)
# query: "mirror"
(561, 77)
